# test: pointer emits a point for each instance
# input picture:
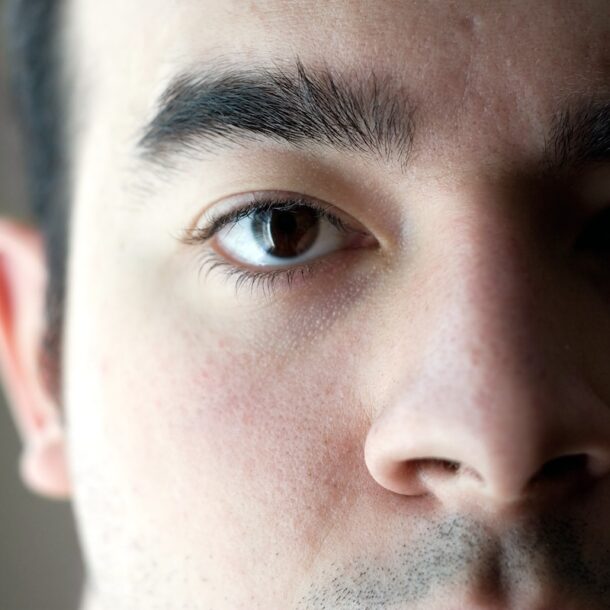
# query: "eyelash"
(265, 281)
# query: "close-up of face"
(337, 313)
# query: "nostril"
(563, 467)
(436, 473)
(438, 465)
(449, 465)
(439, 469)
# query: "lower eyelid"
(269, 281)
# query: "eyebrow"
(580, 135)
(297, 105)
(231, 104)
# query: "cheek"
(277, 444)
(205, 435)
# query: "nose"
(481, 399)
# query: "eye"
(275, 239)
(596, 237)
(278, 234)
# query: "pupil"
(289, 233)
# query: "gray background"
(40, 565)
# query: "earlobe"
(43, 465)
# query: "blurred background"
(40, 564)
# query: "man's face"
(418, 416)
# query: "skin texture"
(242, 451)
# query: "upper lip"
(547, 605)
(533, 603)
(539, 597)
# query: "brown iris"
(287, 233)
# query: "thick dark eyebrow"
(298, 106)
(230, 104)
(580, 135)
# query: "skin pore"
(419, 423)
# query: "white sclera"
(240, 241)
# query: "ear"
(23, 279)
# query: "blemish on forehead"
(471, 23)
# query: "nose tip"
(484, 473)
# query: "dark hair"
(37, 75)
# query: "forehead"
(472, 67)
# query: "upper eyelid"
(271, 200)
